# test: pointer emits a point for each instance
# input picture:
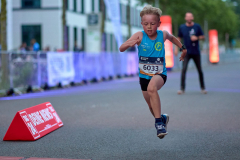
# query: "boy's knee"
(151, 90)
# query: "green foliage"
(221, 15)
(4, 57)
(3, 24)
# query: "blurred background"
(52, 43)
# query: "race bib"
(151, 65)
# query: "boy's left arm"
(175, 41)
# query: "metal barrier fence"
(26, 69)
(32, 68)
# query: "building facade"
(42, 20)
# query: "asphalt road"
(111, 121)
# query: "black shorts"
(144, 82)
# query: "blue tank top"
(151, 55)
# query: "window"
(108, 43)
(75, 39)
(111, 42)
(31, 3)
(75, 5)
(104, 43)
(99, 5)
(82, 6)
(75, 34)
(30, 32)
(93, 7)
(116, 45)
(67, 40)
(83, 39)
(66, 5)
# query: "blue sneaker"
(165, 118)
(161, 131)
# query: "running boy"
(152, 65)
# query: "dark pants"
(197, 61)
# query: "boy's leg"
(147, 99)
(154, 85)
(144, 84)
(164, 116)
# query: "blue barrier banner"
(60, 68)
(78, 67)
(132, 63)
(67, 67)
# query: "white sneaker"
(180, 92)
(203, 91)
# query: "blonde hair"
(148, 9)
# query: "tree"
(236, 6)
(219, 14)
(64, 26)
(4, 57)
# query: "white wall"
(96, 6)
(16, 3)
(76, 19)
(88, 6)
(50, 3)
(70, 5)
(79, 5)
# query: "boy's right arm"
(134, 39)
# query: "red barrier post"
(166, 24)
(213, 46)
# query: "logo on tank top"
(158, 46)
(145, 46)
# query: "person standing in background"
(23, 48)
(191, 33)
(35, 45)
